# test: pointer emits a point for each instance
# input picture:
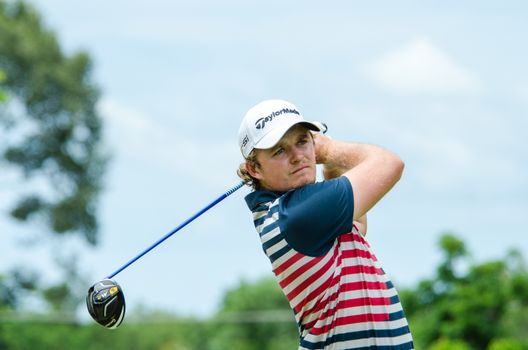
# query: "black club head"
(106, 303)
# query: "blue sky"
(444, 85)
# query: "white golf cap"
(265, 124)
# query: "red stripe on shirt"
(347, 253)
(346, 287)
(346, 271)
(302, 269)
(289, 262)
(316, 293)
(346, 320)
(354, 236)
(355, 269)
(358, 253)
(307, 282)
(356, 302)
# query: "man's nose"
(295, 154)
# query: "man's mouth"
(300, 169)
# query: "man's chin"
(304, 181)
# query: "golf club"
(105, 300)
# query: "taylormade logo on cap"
(265, 124)
(261, 123)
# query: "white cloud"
(521, 92)
(121, 116)
(135, 135)
(449, 149)
(451, 163)
(422, 68)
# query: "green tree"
(50, 134)
(3, 94)
(467, 302)
(447, 344)
(49, 129)
(506, 344)
(15, 285)
(254, 316)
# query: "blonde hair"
(244, 174)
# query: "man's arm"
(371, 170)
(333, 171)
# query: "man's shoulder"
(257, 198)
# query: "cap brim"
(270, 139)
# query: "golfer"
(314, 232)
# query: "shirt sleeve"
(313, 216)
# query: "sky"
(443, 85)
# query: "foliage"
(65, 296)
(50, 133)
(472, 304)
(51, 130)
(507, 344)
(255, 317)
(3, 94)
(56, 334)
(15, 285)
(448, 344)
(23, 283)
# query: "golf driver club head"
(106, 303)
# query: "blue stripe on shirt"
(269, 228)
(261, 220)
(363, 335)
(270, 243)
(279, 253)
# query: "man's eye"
(278, 151)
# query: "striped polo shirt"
(337, 289)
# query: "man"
(313, 232)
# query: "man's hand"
(321, 143)
(361, 225)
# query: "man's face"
(289, 164)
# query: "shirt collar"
(255, 198)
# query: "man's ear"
(253, 170)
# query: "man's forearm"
(342, 156)
(372, 170)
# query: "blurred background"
(119, 120)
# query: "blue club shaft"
(185, 223)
